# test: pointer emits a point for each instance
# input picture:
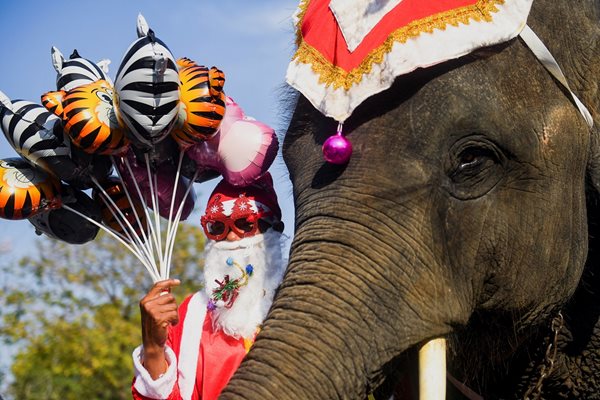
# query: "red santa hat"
(258, 199)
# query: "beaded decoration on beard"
(240, 280)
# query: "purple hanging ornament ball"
(337, 149)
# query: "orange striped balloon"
(202, 103)
(216, 80)
(26, 190)
(185, 62)
(53, 102)
(90, 120)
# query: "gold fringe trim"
(330, 74)
(303, 6)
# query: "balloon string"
(177, 219)
(171, 206)
(144, 207)
(154, 196)
(128, 228)
(173, 235)
(154, 234)
(155, 278)
(174, 192)
(147, 245)
(158, 227)
(117, 213)
(135, 244)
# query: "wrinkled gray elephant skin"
(469, 210)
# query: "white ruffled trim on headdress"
(425, 50)
(357, 18)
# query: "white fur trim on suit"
(182, 371)
(193, 322)
(160, 388)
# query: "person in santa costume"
(190, 352)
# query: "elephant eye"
(474, 158)
(476, 165)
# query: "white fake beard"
(264, 253)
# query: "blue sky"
(251, 41)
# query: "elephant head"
(469, 210)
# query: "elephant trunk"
(340, 319)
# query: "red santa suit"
(203, 369)
(200, 360)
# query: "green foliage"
(86, 358)
(72, 311)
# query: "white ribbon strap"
(542, 53)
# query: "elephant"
(469, 210)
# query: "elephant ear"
(577, 56)
(588, 54)
(593, 168)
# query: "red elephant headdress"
(351, 50)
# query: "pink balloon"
(242, 151)
(233, 113)
(206, 154)
(165, 185)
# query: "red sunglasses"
(218, 228)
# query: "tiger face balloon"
(25, 190)
(90, 119)
(202, 103)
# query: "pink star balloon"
(242, 151)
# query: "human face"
(226, 228)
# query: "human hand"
(159, 310)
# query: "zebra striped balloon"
(147, 87)
(36, 135)
(77, 71)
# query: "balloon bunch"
(120, 156)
